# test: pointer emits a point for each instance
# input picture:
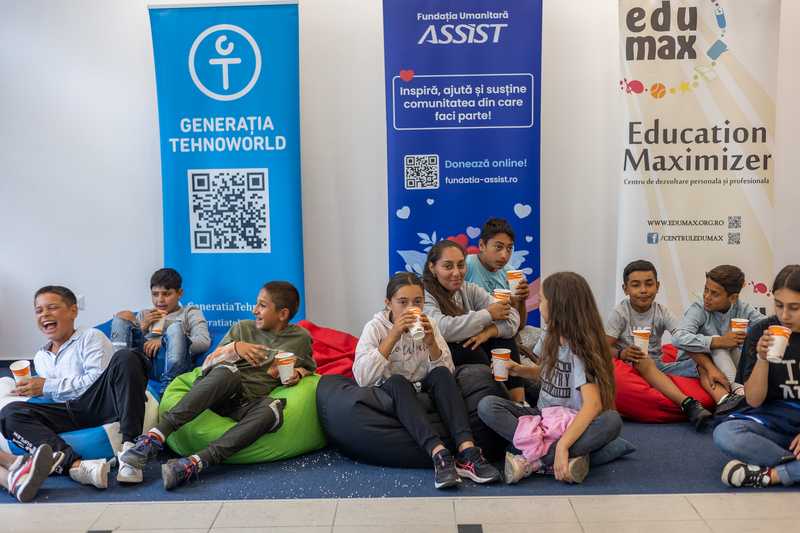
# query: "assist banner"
(462, 115)
(697, 168)
(228, 105)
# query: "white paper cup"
(285, 362)
(641, 339)
(502, 295)
(739, 325)
(158, 326)
(500, 356)
(514, 277)
(21, 370)
(780, 339)
(416, 332)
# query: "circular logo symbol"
(230, 66)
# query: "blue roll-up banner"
(462, 113)
(228, 105)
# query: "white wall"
(80, 200)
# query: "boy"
(640, 310)
(236, 382)
(705, 335)
(88, 386)
(183, 335)
(488, 268)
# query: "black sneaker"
(144, 449)
(729, 403)
(444, 467)
(470, 463)
(176, 472)
(697, 414)
(740, 474)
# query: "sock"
(723, 399)
(198, 462)
(156, 434)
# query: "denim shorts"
(683, 367)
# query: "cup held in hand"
(417, 332)
(780, 339)
(21, 370)
(285, 362)
(500, 356)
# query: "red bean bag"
(638, 401)
(333, 350)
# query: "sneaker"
(740, 474)
(58, 458)
(91, 472)
(128, 473)
(729, 403)
(144, 449)
(26, 476)
(176, 472)
(578, 468)
(696, 413)
(444, 470)
(470, 463)
(516, 468)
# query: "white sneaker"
(516, 468)
(126, 472)
(92, 472)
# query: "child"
(488, 268)
(470, 321)
(640, 310)
(183, 335)
(387, 357)
(765, 439)
(236, 382)
(705, 335)
(577, 380)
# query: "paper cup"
(499, 358)
(285, 362)
(739, 325)
(416, 332)
(641, 339)
(502, 295)
(21, 370)
(158, 326)
(514, 277)
(780, 339)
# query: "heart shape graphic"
(528, 238)
(522, 210)
(461, 239)
(407, 75)
(473, 232)
(404, 212)
(430, 201)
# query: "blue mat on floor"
(671, 458)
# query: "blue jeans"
(682, 367)
(756, 444)
(174, 350)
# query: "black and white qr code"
(734, 222)
(421, 171)
(229, 210)
(734, 238)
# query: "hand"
(255, 354)
(731, 340)
(478, 339)
(499, 310)
(297, 375)
(632, 354)
(513, 367)
(561, 463)
(794, 447)
(522, 291)
(151, 347)
(127, 315)
(149, 317)
(763, 344)
(430, 338)
(402, 323)
(32, 387)
(716, 377)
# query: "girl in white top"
(388, 357)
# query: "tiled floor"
(723, 513)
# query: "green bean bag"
(301, 431)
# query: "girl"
(387, 357)
(471, 322)
(577, 377)
(765, 439)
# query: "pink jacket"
(535, 434)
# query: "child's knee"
(486, 406)
(726, 435)
(174, 331)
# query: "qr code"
(734, 222)
(734, 238)
(229, 210)
(421, 171)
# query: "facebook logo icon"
(652, 238)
